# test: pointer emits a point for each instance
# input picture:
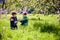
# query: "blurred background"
(43, 19)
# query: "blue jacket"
(13, 24)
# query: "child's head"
(25, 14)
(14, 14)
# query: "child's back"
(25, 20)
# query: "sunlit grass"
(28, 32)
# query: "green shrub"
(0, 36)
(49, 28)
(46, 27)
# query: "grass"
(45, 28)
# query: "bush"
(46, 27)
(0, 36)
(49, 28)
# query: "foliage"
(38, 5)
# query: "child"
(24, 21)
(13, 21)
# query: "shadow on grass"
(46, 27)
(0, 36)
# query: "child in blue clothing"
(24, 21)
(13, 21)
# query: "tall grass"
(37, 29)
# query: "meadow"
(40, 27)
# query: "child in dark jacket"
(24, 21)
(13, 21)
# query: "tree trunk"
(3, 4)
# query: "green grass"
(47, 28)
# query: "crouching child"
(13, 21)
(24, 21)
